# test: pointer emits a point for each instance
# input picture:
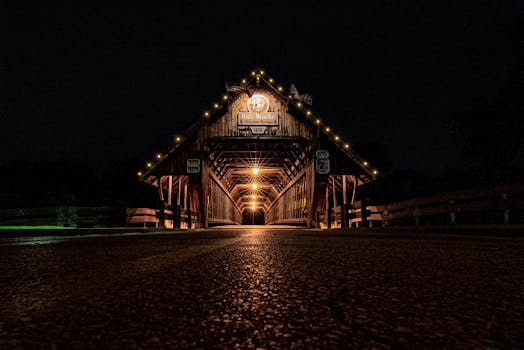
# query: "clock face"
(258, 103)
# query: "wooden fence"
(67, 216)
(493, 205)
(147, 217)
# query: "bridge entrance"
(260, 156)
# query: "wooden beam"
(170, 189)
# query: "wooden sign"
(193, 166)
(322, 164)
(258, 113)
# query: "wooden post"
(160, 192)
(364, 212)
(161, 213)
(205, 194)
(179, 190)
(188, 210)
(328, 209)
(169, 189)
(177, 213)
(185, 196)
(334, 192)
(355, 185)
(344, 206)
(310, 178)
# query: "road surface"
(262, 288)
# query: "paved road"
(261, 288)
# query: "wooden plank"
(141, 211)
(140, 219)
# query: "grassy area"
(23, 227)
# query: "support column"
(205, 194)
(334, 191)
(328, 209)
(161, 212)
(355, 185)
(310, 179)
(188, 201)
(176, 219)
(169, 189)
(344, 206)
(185, 197)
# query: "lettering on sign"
(257, 130)
(258, 113)
(322, 166)
(322, 154)
(193, 166)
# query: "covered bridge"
(259, 155)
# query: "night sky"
(102, 84)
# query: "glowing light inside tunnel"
(254, 186)
(255, 171)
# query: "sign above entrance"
(258, 113)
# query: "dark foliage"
(41, 184)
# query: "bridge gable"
(257, 108)
(259, 112)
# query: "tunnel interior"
(255, 173)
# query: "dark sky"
(100, 84)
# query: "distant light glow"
(253, 73)
(158, 156)
(271, 80)
(139, 173)
(366, 163)
(318, 121)
(255, 170)
(308, 112)
(261, 72)
(253, 196)
(337, 138)
(280, 88)
(244, 81)
(224, 97)
(253, 203)
(149, 165)
(206, 114)
(255, 186)
(375, 172)
(299, 104)
(178, 139)
(328, 129)
(215, 105)
(346, 145)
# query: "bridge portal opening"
(264, 176)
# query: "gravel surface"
(262, 289)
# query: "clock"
(258, 103)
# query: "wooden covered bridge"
(260, 155)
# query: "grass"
(38, 227)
